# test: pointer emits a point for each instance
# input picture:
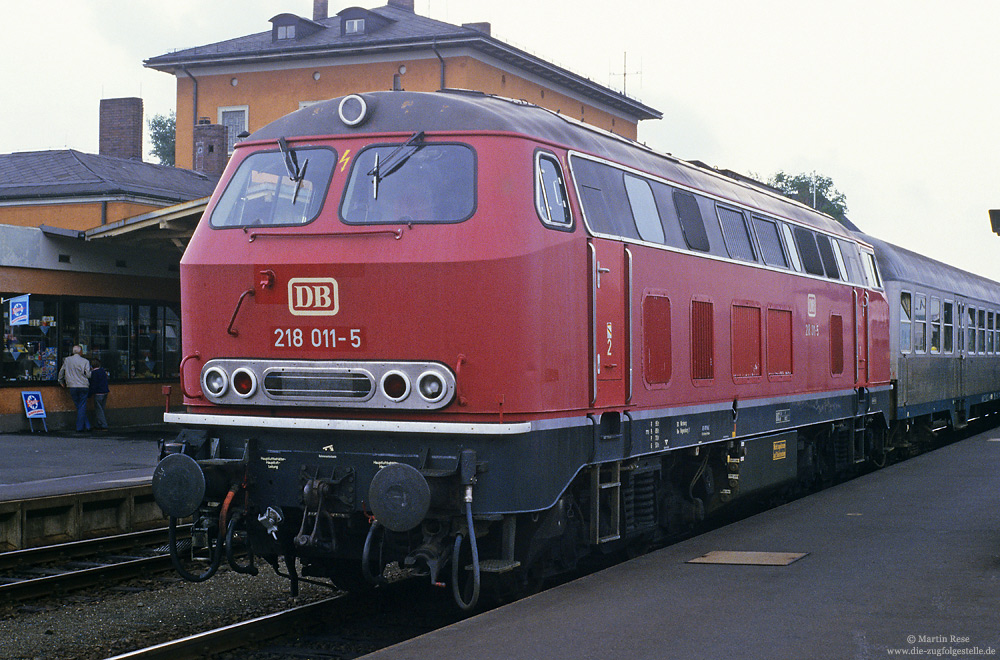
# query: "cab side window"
(550, 192)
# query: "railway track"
(342, 626)
(38, 572)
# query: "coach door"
(861, 345)
(611, 373)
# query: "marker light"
(395, 385)
(244, 382)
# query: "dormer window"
(354, 26)
(286, 32)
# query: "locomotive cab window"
(272, 189)
(550, 192)
(412, 182)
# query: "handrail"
(397, 233)
(239, 303)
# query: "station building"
(119, 299)
(248, 82)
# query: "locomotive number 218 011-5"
(346, 338)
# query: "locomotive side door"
(610, 263)
(861, 345)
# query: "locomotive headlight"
(431, 386)
(244, 382)
(395, 385)
(216, 381)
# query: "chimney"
(210, 153)
(402, 4)
(321, 9)
(121, 128)
(478, 27)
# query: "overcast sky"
(895, 100)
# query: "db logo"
(313, 296)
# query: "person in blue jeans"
(75, 376)
(99, 390)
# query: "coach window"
(770, 242)
(550, 192)
(919, 323)
(736, 234)
(970, 328)
(989, 333)
(793, 252)
(827, 255)
(981, 342)
(692, 224)
(647, 218)
(905, 321)
(948, 317)
(935, 325)
(805, 240)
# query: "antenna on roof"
(625, 72)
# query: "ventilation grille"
(318, 385)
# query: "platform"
(58, 463)
(903, 561)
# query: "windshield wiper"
(295, 173)
(393, 161)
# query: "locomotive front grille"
(318, 385)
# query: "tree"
(163, 134)
(813, 190)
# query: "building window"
(286, 32)
(132, 340)
(354, 26)
(236, 120)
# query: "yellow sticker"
(779, 450)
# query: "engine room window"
(827, 255)
(905, 321)
(550, 193)
(415, 183)
(736, 234)
(692, 225)
(647, 218)
(805, 240)
(263, 192)
(770, 242)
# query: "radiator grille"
(318, 385)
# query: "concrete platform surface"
(903, 561)
(41, 464)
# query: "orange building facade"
(248, 82)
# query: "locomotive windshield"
(412, 183)
(276, 188)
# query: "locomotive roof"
(907, 267)
(461, 110)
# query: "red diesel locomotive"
(481, 340)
